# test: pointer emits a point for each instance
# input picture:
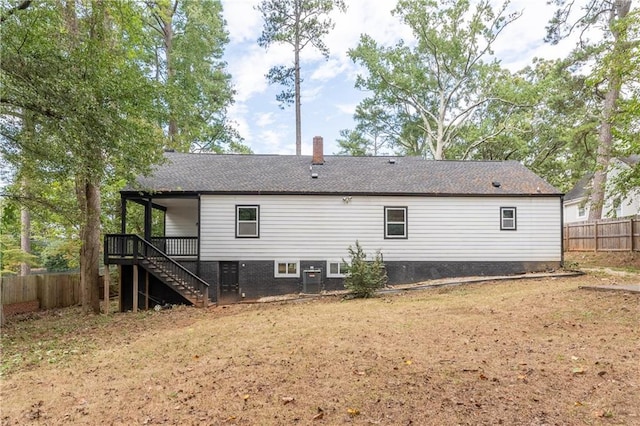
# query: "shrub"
(364, 277)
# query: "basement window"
(287, 269)
(336, 269)
(247, 221)
(508, 219)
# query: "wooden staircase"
(181, 286)
(134, 250)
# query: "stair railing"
(135, 248)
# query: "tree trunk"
(605, 135)
(297, 80)
(25, 215)
(89, 201)
(605, 141)
(25, 238)
(1, 308)
(167, 30)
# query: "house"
(247, 226)
(576, 201)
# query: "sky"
(329, 97)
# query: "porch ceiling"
(177, 202)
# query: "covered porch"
(158, 251)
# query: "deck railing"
(131, 247)
(177, 246)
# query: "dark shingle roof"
(581, 188)
(269, 174)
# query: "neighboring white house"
(271, 224)
(576, 201)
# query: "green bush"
(364, 277)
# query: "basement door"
(229, 284)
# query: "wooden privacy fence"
(52, 290)
(603, 235)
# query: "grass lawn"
(522, 352)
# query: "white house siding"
(439, 228)
(572, 209)
(629, 205)
(181, 218)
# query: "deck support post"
(107, 283)
(120, 305)
(146, 290)
(135, 288)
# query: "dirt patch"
(527, 352)
(628, 261)
(20, 308)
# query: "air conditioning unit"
(312, 281)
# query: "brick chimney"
(318, 151)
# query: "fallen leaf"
(246, 396)
(408, 362)
(578, 370)
(287, 399)
(353, 412)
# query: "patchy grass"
(512, 352)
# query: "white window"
(582, 211)
(395, 222)
(508, 218)
(336, 269)
(287, 269)
(247, 221)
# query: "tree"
(359, 142)
(186, 59)
(364, 276)
(552, 130)
(613, 56)
(430, 89)
(297, 23)
(91, 102)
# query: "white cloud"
(310, 93)
(248, 66)
(263, 119)
(273, 142)
(243, 21)
(330, 69)
(347, 108)
(237, 113)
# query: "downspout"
(199, 241)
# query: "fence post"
(632, 234)
(595, 236)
